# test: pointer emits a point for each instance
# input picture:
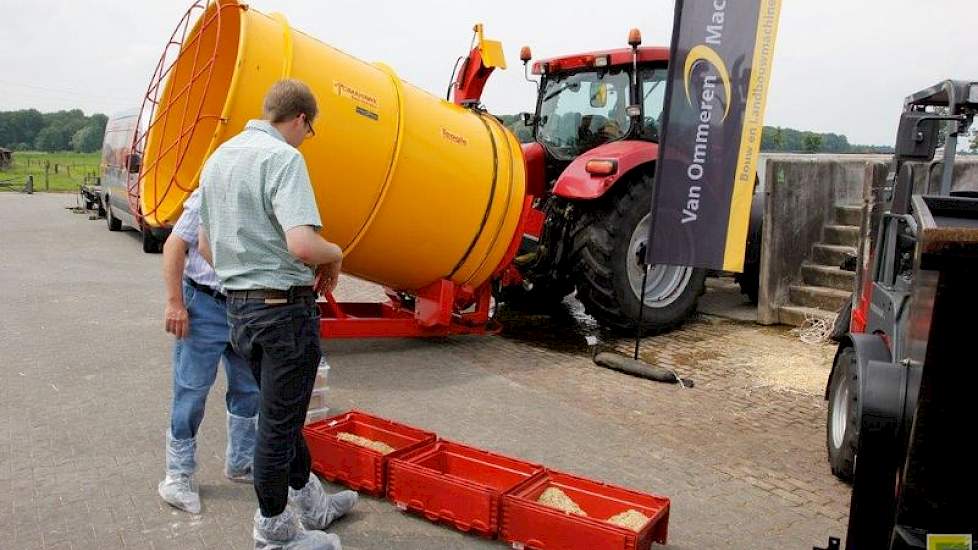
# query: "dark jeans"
(281, 343)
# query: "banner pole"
(656, 184)
(641, 310)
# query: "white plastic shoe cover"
(284, 532)
(317, 509)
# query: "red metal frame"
(535, 162)
(441, 309)
(475, 74)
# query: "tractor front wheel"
(609, 241)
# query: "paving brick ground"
(85, 389)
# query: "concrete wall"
(800, 192)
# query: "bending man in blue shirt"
(196, 313)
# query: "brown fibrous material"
(555, 498)
(629, 519)
(378, 446)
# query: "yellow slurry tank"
(412, 187)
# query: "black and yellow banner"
(719, 71)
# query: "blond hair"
(287, 99)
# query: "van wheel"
(114, 223)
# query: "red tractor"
(590, 166)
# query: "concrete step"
(847, 235)
(848, 214)
(828, 276)
(796, 315)
(831, 254)
(829, 299)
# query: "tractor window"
(582, 110)
(653, 101)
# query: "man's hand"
(176, 320)
(327, 276)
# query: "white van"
(119, 166)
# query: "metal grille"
(177, 49)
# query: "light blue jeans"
(195, 360)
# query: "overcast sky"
(841, 65)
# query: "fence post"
(29, 185)
(47, 168)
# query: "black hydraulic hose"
(489, 203)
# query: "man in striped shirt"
(196, 313)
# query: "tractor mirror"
(917, 136)
(599, 96)
(527, 118)
(134, 163)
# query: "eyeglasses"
(309, 131)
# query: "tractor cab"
(588, 100)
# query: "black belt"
(213, 292)
(272, 295)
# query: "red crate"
(456, 484)
(528, 524)
(358, 467)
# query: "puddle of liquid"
(562, 327)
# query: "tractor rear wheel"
(608, 242)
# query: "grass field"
(65, 171)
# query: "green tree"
(7, 137)
(98, 121)
(768, 139)
(21, 126)
(834, 143)
(51, 138)
(20, 130)
(778, 139)
(87, 140)
(812, 143)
